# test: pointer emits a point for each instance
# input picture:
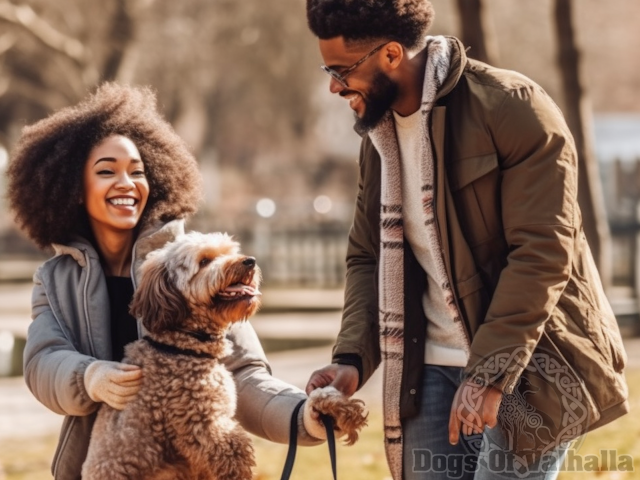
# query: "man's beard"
(380, 98)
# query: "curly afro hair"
(404, 21)
(46, 168)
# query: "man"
(468, 271)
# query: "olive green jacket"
(512, 238)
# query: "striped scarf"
(391, 273)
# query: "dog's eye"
(204, 262)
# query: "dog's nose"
(249, 262)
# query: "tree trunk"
(578, 115)
(476, 32)
(120, 36)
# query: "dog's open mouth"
(238, 291)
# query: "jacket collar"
(151, 237)
(458, 63)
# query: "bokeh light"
(266, 207)
(322, 204)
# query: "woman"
(105, 183)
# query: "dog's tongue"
(240, 289)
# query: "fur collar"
(391, 261)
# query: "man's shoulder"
(501, 81)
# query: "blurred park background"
(239, 80)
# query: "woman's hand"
(113, 383)
(474, 407)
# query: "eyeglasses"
(341, 77)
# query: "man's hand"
(113, 383)
(474, 407)
(343, 377)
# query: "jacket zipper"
(135, 286)
(86, 304)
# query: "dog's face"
(198, 281)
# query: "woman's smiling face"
(116, 189)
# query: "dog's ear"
(157, 300)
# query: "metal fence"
(621, 186)
(312, 257)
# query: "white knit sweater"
(444, 344)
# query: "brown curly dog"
(181, 424)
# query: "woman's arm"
(53, 368)
(265, 403)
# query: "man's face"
(382, 93)
(369, 90)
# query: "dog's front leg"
(233, 458)
(218, 452)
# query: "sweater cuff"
(350, 359)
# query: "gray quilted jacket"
(70, 329)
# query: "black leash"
(327, 421)
(331, 442)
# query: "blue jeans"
(428, 455)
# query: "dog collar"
(199, 335)
(163, 347)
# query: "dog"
(181, 424)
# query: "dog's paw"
(349, 414)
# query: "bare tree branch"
(7, 41)
(25, 17)
(50, 99)
(4, 85)
(120, 37)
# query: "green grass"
(29, 460)
(622, 435)
(363, 461)
(366, 459)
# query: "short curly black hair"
(45, 173)
(404, 21)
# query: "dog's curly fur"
(349, 414)
(181, 424)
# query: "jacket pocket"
(475, 186)
(557, 393)
(599, 328)
(585, 356)
(603, 332)
(467, 170)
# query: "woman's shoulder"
(76, 252)
(66, 259)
